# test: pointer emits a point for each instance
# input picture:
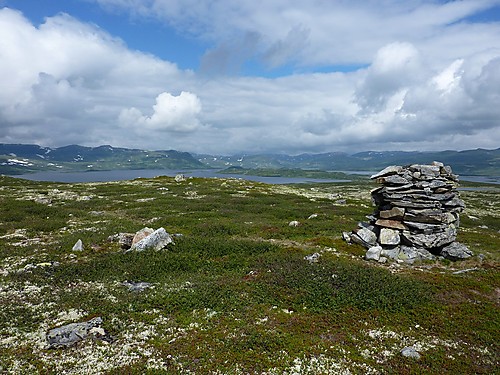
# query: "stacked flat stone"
(416, 216)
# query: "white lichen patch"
(323, 364)
(383, 344)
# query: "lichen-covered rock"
(73, 333)
(389, 237)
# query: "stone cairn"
(416, 216)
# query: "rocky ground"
(257, 280)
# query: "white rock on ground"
(155, 241)
(78, 246)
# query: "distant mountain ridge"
(469, 162)
(19, 158)
(22, 158)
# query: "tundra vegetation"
(235, 293)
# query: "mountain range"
(22, 158)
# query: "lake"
(130, 174)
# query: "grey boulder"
(70, 334)
(456, 251)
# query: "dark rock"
(123, 239)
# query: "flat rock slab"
(70, 334)
(140, 286)
(391, 170)
(393, 224)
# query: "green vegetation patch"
(235, 293)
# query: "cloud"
(431, 79)
(396, 67)
(309, 33)
(170, 113)
(67, 81)
(229, 56)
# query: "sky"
(251, 76)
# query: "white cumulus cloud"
(170, 113)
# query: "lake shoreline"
(130, 174)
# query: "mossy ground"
(234, 294)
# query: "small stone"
(293, 223)
(410, 352)
(346, 236)
(382, 260)
(180, 178)
(313, 216)
(373, 253)
(137, 287)
(465, 271)
(78, 246)
(313, 258)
